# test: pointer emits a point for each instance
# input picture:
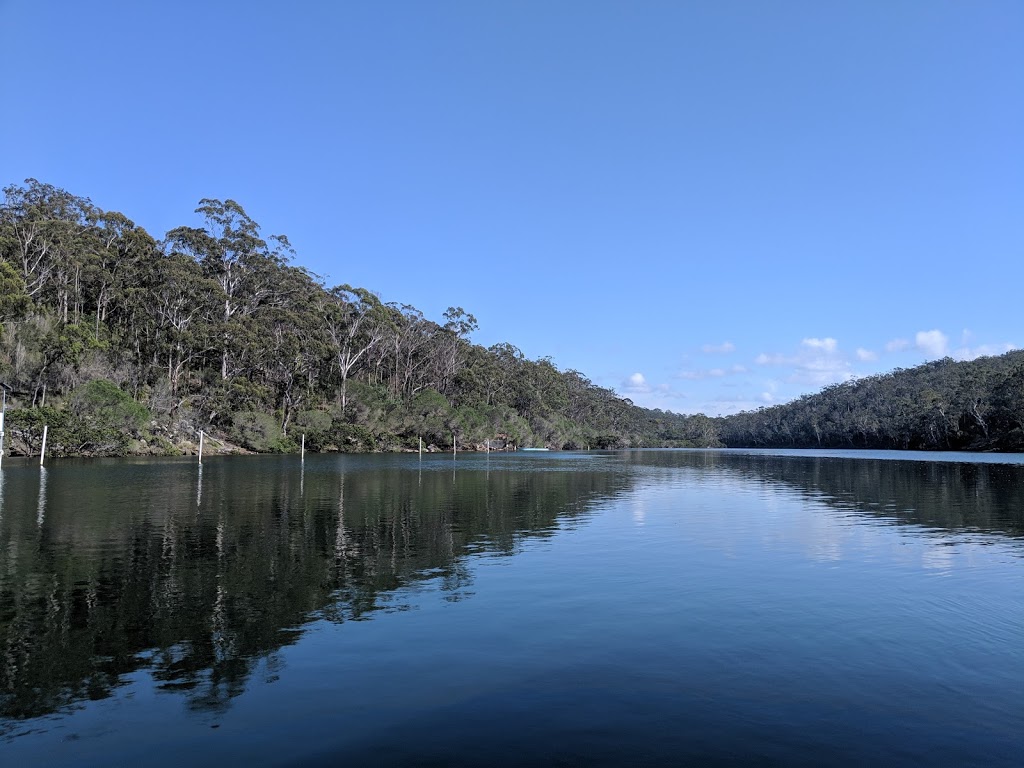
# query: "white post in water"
(3, 412)
(302, 451)
(200, 446)
(421, 447)
(453, 443)
(42, 452)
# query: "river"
(637, 607)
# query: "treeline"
(124, 343)
(942, 405)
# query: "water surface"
(648, 607)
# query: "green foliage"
(68, 434)
(259, 432)
(68, 342)
(944, 405)
(214, 326)
(103, 404)
(14, 301)
(430, 417)
(354, 438)
(316, 426)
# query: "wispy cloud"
(817, 362)
(936, 344)
(823, 370)
(724, 405)
(718, 349)
(827, 345)
(776, 359)
(983, 350)
(809, 364)
(636, 384)
(711, 373)
(933, 343)
(968, 352)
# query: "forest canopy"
(123, 343)
(216, 328)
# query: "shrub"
(316, 426)
(103, 404)
(259, 432)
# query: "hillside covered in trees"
(942, 405)
(124, 343)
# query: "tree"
(14, 299)
(453, 344)
(352, 318)
(233, 254)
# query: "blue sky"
(706, 206)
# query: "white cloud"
(822, 370)
(811, 363)
(724, 405)
(636, 384)
(984, 350)
(719, 349)
(776, 359)
(933, 343)
(711, 373)
(827, 344)
(659, 396)
(817, 362)
(966, 352)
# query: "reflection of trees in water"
(987, 497)
(201, 588)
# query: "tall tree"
(353, 320)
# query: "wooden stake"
(302, 454)
(200, 446)
(42, 452)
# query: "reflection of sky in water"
(727, 511)
(952, 457)
(779, 607)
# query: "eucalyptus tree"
(508, 362)
(404, 349)
(233, 254)
(453, 345)
(353, 319)
(296, 347)
(42, 228)
(182, 298)
(14, 299)
(120, 255)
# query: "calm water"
(651, 607)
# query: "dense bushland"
(125, 343)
